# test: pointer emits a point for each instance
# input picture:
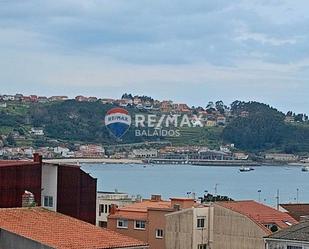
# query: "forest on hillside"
(263, 129)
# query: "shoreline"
(77, 161)
(93, 160)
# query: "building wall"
(285, 244)
(179, 230)
(15, 180)
(156, 220)
(88, 198)
(182, 231)
(236, 231)
(76, 194)
(130, 231)
(10, 240)
(202, 235)
(120, 200)
(49, 184)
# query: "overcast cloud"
(189, 51)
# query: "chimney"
(113, 209)
(182, 202)
(28, 199)
(37, 158)
(156, 198)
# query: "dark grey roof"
(299, 232)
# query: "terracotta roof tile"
(297, 210)
(138, 211)
(260, 213)
(60, 231)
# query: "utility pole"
(278, 198)
(216, 188)
(297, 195)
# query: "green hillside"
(82, 122)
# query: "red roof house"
(32, 227)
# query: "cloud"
(107, 47)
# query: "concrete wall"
(10, 240)
(202, 235)
(182, 231)
(49, 184)
(233, 230)
(179, 230)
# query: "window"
(103, 224)
(122, 223)
(48, 201)
(105, 210)
(159, 233)
(200, 222)
(272, 227)
(101, 209)
(202, 246)
(294, 247)
(140, 224)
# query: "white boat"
(245, 169)
(305, 169)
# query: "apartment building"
(144, 153)
(146, 220)
(38, 228)
(105, 200)
(190, 228)
(63, 188)
(224, 225)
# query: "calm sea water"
(178, 180)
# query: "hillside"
(262, 128)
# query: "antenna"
(259, 191)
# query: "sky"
(188, 51)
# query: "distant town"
(24, 140)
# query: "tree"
(127, 96)
(220, 106)
(10, 140)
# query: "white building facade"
(105, 200)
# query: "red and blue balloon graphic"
(118, 121)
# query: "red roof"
(61, 231)
(260, 213)
(297, 210)
(138, 211)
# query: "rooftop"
(260, 213)
(298, 232)
(297, 210)
(138, 211)
(60, 231)
(8, 163)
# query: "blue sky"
(189, 51)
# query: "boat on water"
(305, 169)
(246, 169)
